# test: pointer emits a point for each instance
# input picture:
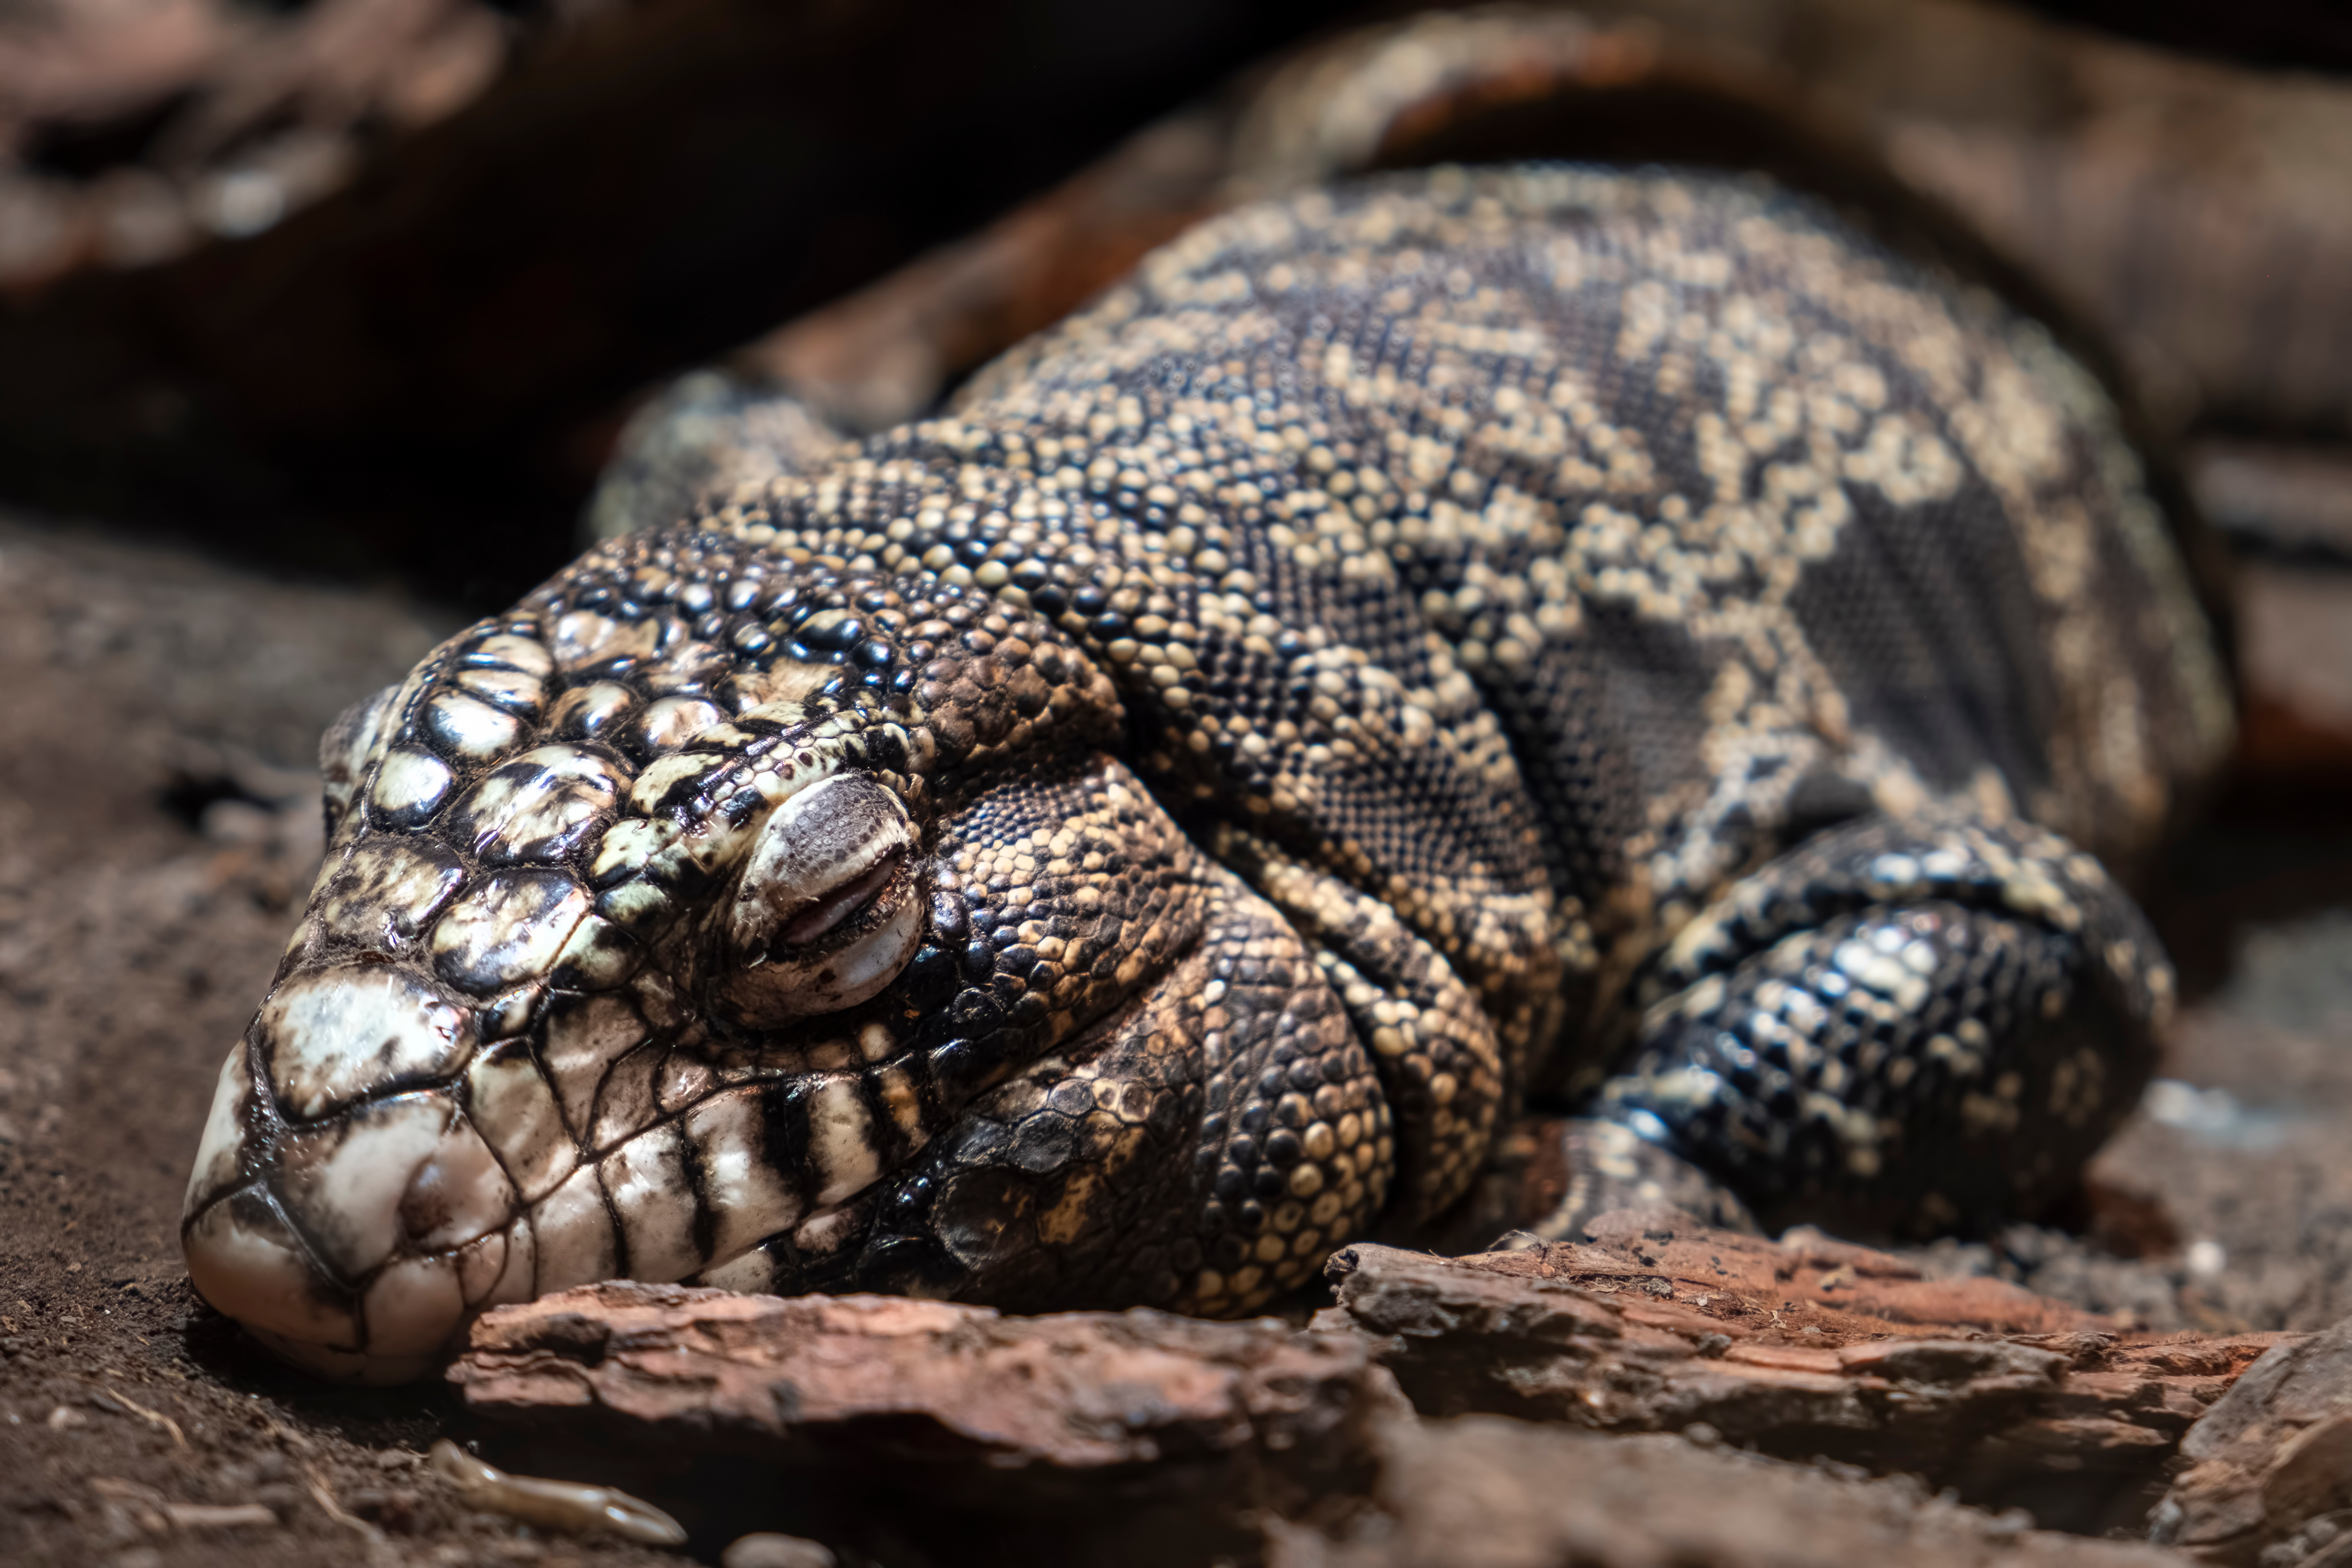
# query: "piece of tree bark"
(1143, 1432)
(1652, 1330)
(1074, 1391)
(1800, 1350)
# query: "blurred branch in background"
(418, 370)
(140, 129)
(2195, 213)
(369, 285)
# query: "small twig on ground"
(219, 1516)
(325, 1499)
(152, 1417)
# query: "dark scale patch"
(784, 1135)
(1580, 764)
(1928, 627)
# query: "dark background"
(418, 375)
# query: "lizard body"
(1415, 645)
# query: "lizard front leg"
(1204, 1149)
(1902, 1026)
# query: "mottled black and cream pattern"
(1449, 637)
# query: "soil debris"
(1485, 1491)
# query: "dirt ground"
(157, 716)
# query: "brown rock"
(2270, 1459)
(1486, 1492)
(769, 1551)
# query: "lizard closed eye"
(827, 911)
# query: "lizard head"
(669, 925)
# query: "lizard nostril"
(459, 1192)
(365, 1246)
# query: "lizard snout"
(344, 1207)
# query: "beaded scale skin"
(1624, 637)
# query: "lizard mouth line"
(361, 1241)
(360, 1223)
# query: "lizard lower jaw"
(361, 1246)
(249, 1262)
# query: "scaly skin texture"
(1457, 635)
